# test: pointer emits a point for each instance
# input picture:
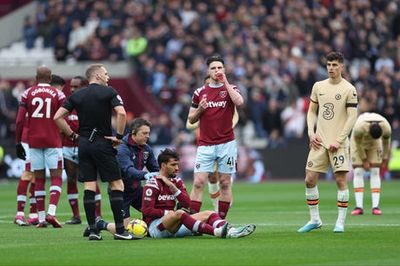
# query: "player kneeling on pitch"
(160, 195)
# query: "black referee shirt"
(94, 105)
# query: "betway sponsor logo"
(166, 197)
(217, 104)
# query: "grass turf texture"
(277, 208)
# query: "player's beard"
(173, 175)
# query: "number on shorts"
(338, 160)
(230, 161)
(38, 113)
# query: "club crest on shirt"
(146, 155)
(223, 94)
(149, 192)
(197, 166)
(310, 164)
(338, 97)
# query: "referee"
(94, 106)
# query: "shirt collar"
(133, 143)
(218, 85)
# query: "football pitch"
(277, 208)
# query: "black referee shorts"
(97, 157)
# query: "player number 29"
(39, 103)
(338, 160)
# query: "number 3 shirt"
(333, 101)
(39, 104)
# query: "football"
(138, 228)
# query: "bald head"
(43, 74)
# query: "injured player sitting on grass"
(160, 197)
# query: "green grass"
(277, 208)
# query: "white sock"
(214, 191)
(33, 215)
(375, 186)
(342, 202)
(358, 183)
(52, 209)
(42, 216)
(312, 196)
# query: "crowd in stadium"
(273, 51)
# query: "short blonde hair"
(91, 70)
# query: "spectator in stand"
(114, 49)
(136, 45)
(161, 133)
(257, 106)
(77, 36)
(294, 119)
(273, 124)
(8, 109)
(280, 37)
(30, 32)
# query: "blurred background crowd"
(273, 50)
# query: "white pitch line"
(280, 224)
(329, 224)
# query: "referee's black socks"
(90, 205)
(116, 201)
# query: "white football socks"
(342, 202)
(375, 186)
(358, 184)
(214, 191)
(312, 196)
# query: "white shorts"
(224, 154)
(154, 232)
(50, 158)
(28, 156)
(71, 153)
